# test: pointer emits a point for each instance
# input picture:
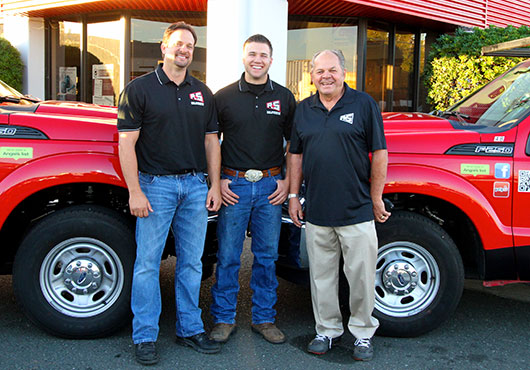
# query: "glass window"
(378, 78)
(146, 36)
(403, 72)
(103, 62)
(500, 103)
(426, 41)
(306, 37)
(65, 60)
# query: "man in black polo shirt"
(168, 138)
(333, 134)
(255, 115)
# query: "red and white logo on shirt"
(273, 107)
(196, 98)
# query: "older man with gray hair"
(334, 133)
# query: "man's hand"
(229, 197)
(139, 204)
(280, 194)
(295, 211)
(213, 199)
(380, 214)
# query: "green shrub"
(11, 66)
(457, 68)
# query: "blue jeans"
(178, 202)
(265, 222)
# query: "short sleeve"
(130, 109)
(296, 146)
(212, 125)
(375, 129)
(288, 125)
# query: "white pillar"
(230, 23)
(27, 35)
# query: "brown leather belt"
(273, 172)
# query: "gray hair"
(336, 52)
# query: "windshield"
(500, 103)
(8, 95)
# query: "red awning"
(436, 14)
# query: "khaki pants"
(358, 244)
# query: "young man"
(334, 132)
(168, 138)
(255, 116)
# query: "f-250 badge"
(8, 131)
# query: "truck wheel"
(419, 278)
(72, 272)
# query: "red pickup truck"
(459, 180)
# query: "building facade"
(89, 50)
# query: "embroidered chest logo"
(348, 118)
(196, 98)
(273, 107)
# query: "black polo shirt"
(254, 126)
(336, 164)
(173, 121)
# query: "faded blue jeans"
(265, 223)
(178, 202)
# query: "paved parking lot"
(490, 330)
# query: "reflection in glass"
(305, 38)
(66, 59)
(426, 41)
(403, 86)
(103, 70)
(378, 79)
(145, 48)
(501, 103)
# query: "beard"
(179, 62)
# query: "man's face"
(257, 61)
(179, 49)
(327, 75)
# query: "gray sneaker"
(321, 344)
(363, 350)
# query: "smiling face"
(327, 75)
(257, 61)
(178, 50)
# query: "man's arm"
(138, 203)
(377, 184)
(295, 181)
(280, 194)
(213, 160)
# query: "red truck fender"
(445, 185)
(65, 168)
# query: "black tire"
(72, 273)
(414, 252)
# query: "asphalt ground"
(490, 330)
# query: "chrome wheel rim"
(81, 277)
(407, 279)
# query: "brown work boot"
(221, 332)
(270, 332)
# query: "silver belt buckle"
(253, 175)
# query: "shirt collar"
(164, 79)
(243, 85)
(346, 98)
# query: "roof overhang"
(514, 48)
(66, 9)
